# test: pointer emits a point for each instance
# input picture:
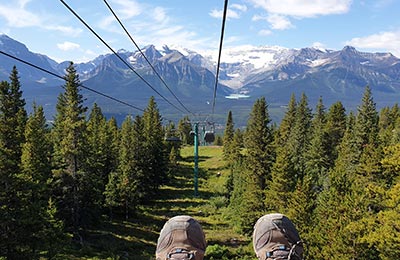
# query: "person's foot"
(181, 238)
(275, 237)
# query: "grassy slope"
(136, 238)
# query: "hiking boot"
(275, 237)
(181, 238)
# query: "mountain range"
(246, 73)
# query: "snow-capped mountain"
(271, 71)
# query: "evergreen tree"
(44, 229)
(258, 141)
(282, 182)
(302, 202)
(229, 132)
(287, 123)
(335, 128)
(367, 121)
(12, 125)
(157, 157)
(70, 152)
(173, 141)
(383, 227)
(184, 128)
(127, 186)
(317, 158)
(18, 107)
(246, 201)
(299, 138)
(391, 164)
(237, 145)
(334, 207)
(100, 162)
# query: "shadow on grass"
(117, 240)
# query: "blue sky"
(47, 27)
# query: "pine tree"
(283, 180)
(246, 200)
(100, 161)
(383, 227)
(299, 138)
(258, 142)
(367, 121)
(282, 183)
(287, 123)
(317, 158)
(127, 186)
(228, 137)
(335, 128)
(12, 125)
(157, 157)
(335, 203)
(70, 152)
(40, 231)
(184, 128)
(302, 202)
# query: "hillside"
(136, 238)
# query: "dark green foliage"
(335, 128)
(229, 132)
(12, 126)
(287, 123)
(184, 128)
(258, 142)
(219, 141)
(157, 156)
(173, 143)
(70, 155)
(336, 176)
(100, 161)
(298, 141)
(125, 187)
(44, 231)
(246, 201)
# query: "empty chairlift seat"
(209, 136)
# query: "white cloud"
(67, 30)
(160, 15)
(259, 18)
(265, 32)
(242, 8)
(68, 46)
(18, 17)
(230, 14)
(387, 41)
(279, 22)
(22, 3)
(279, 11)
(128, 8)
(304, 9)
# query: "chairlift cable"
(219, 54)
(144, 56)
(63, 78)
(118, 56)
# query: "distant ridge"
(247, 72)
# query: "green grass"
(136, 238)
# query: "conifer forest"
(333, 172)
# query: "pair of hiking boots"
(274, 237)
